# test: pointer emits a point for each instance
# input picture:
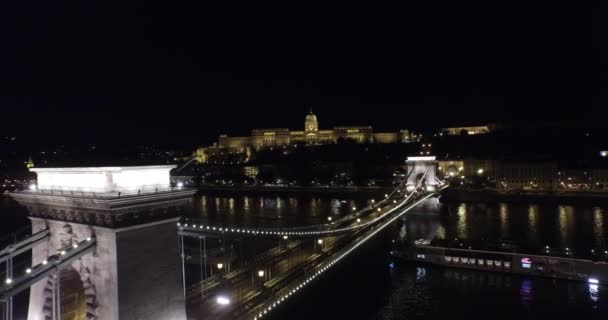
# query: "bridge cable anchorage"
(258, 314)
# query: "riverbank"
(294, 190)
(573, 198)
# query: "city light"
(28, 270)
(33, 187)
(320, 241)
(261, 273)
(180, 185)
(593, 281)
(221, 300)
(220, 266)
(44, 262)
(9, 281)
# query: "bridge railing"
(103, 193)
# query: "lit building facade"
(527, 176)
(456, 131)
(311, 135)
(600, 179)
(450, 168)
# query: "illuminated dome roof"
(311, 117)
(311, 123)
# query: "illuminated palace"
(311, 135)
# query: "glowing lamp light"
(604, 153)
(261, 273)
(480, 171)
(28, 270)
(33, 187)
(8, 281)
(221, 300)
(180, 185)
(63, 252)
(593, 281)
(44, 262)
(328, 218)
(320, 241)
(285, 237)
(358, 220)
(220, 266)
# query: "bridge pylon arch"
(422, 165)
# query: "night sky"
(178, 72)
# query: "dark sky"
(186, 71)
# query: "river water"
(389, 290)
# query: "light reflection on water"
(598, 227)
(531, 226)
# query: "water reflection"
(420, 274)
(270, 211)
(531, 226)
(504, 221)
(440, 234)
(566, 230)
(598, 227)
(594, 293)
(533, 223)
(525, 292)
(246, 203)
(461, 224)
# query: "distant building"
(479, 167)
(450, 168)
(456, 131)
(527, 175)
(311, 135)
(599, 177)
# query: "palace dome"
(311, 123)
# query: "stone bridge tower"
(134, 272)
(417, 166)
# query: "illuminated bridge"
(109, 243)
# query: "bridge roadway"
(299, 258)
